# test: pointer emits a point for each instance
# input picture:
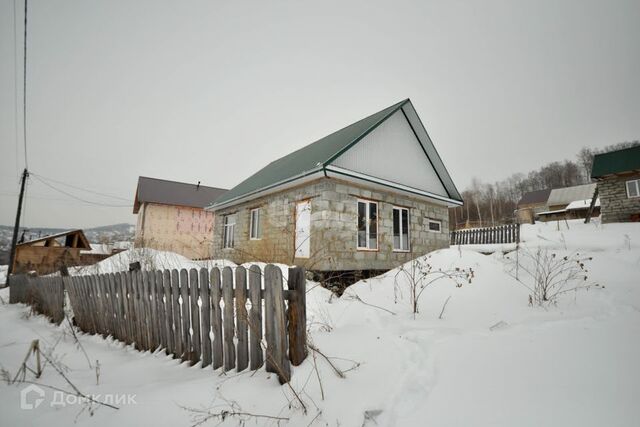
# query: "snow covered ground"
(491, 360)
(3, 274)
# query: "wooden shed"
(48, 254)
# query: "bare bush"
(420, 274)
(548, 275)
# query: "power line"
(81, 189)
(90, 202)
(15, 80)
(24, 87)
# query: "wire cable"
(24, 87)
(90, 202)
(15, 82)
(81, 189)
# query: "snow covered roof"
(581, 204)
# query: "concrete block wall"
(615, 205)
(333, 228)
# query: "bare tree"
(548, 275)
(420, 273)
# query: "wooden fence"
(199, 315)
(509, 233)
(44, 294)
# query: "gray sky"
(212, 91)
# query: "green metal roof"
(312, 158)
(613, 162)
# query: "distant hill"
(105, 233)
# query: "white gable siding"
(392, 152)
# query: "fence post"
(186, 316)
(242, 318)
(277, 352)
(177, 316)
(297, 316)
(206, 317)
(255, 317)
(216, 320)
(228, 320)
(194, 294)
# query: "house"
(171, 216)
(617, 175)
(575, 210)
(49, 254)
(531, 204)
(370, 196)
(560, 199)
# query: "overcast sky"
(212, 91)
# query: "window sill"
(253, 239)
(401, 251)
(367, 250)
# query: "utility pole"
(16, 228)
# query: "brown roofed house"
(531, 204)
(49, 254)
(171, 216)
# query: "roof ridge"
(180, 182)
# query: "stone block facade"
(615, 205)
(334, 222)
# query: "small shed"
(575, 210)
(48, 254)
(531, 204)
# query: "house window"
(434, 226)
(367, 225)
(400, 229)
(255, 231)
(633, 188)
(229, 231)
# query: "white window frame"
(258, 232)
(435, 221)
(400, 209)
(637, 185)
(368, 204)
(228, 231)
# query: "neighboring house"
(566, 203)
(171, 216)
(575, 210)
(370, 196)
(618, 178)
(559, 198)
(531, 204)
(49, 254)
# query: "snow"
(150, 259)
(3, 274)
(492, 360)
(582, 204)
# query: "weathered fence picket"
(241, 318)
(44, 294)
(509, 233)
(196, 315)
(255, 318)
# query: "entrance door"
(303, 229)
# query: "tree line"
(488, 204)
